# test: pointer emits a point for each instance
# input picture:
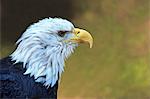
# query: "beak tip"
(91, 42)
(91, 45)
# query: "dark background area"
(18, 14)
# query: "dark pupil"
(61, 33)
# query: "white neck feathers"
(41, 55)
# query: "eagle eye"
(62, 33)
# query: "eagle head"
(44, 47)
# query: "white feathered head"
(45, 45)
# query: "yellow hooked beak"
(82, 36)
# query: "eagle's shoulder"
(15, 84)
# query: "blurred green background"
(117, 67)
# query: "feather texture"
(42, 52)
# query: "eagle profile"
(38, 61)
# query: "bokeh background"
(117, 67)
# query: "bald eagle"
(33, 70)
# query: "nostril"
(78, 32)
